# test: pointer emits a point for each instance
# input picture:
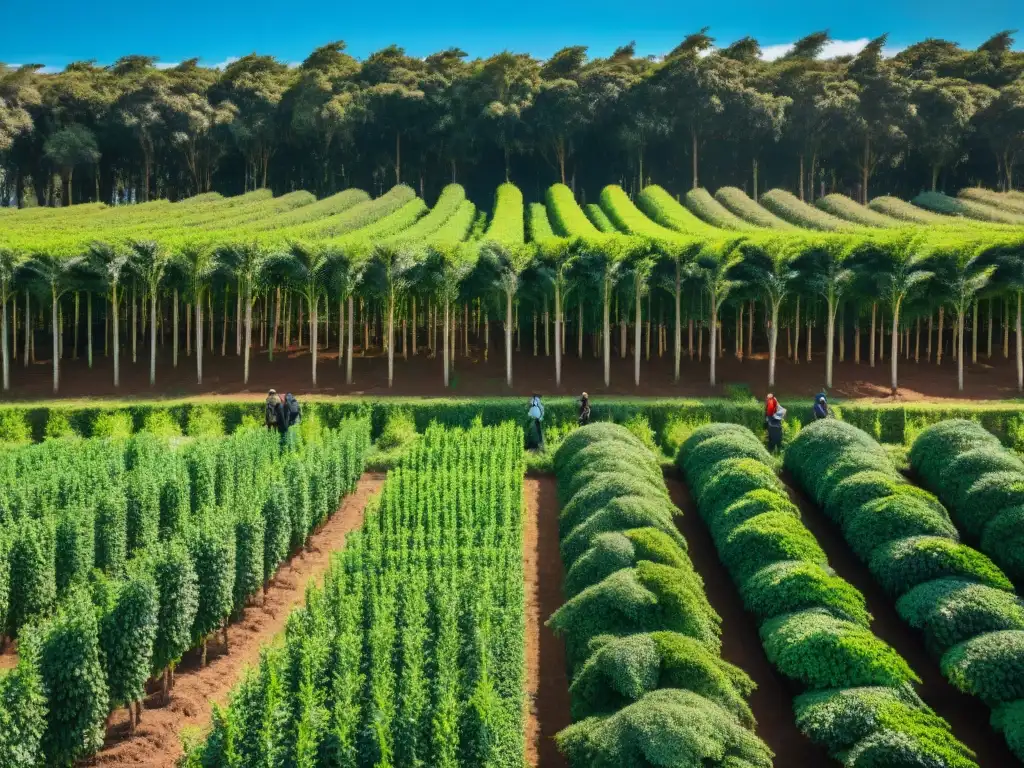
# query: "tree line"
(934, 116)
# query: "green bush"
(751, 504)
(213, 555)
(622, 466)
(937, 445)
(612, 551)
(951, 611)
(1008, 719)
(399, 430)
(669, 727)
(640, 428)
(204, 421)
(22, 711)
(893, 517)
(903, 564)
(989, 495)
(623, 670)
(58, 425)
(619, 514)
(841, 719)
(821, 651)
(127, 630)
(591, 498)
(33, 577)
(990, 666)
(851, 493)
(889, 749)
(766, 539)
(113, 424)
(702, 459)
(828, 451)
(965, 469)
(1003, 540)
(161, 424)
(14, 428)
(600, 431)
(733, 479)
(178, 596)
(792, 586)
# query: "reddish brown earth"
(772, 701)
(547, 683)
(474, 376)
(966, 715)
(156, 743)
(9, 656)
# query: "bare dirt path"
(772, 702)
(966, 715)
(547, 681)
(156, 743)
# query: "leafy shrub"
(277, 529)
(788, 206)
(204, 421)
(950, 611)
(766, 539)
(660, 206)
(989, 495)
(751, 504)
(73, 679)
(886, 749)
(904, 211)
(58, 425)
(113, 425)
(612, 551)
(962, 472)
(623, 670)
(792, 586)
(705, 457)
(22, 711)
(399, 430)
(33, 578)
(14, 428)
(954, 206)
(701, 203)
(250, 529)
(851, 493)
(821, 651)
(904, 563)
(827, 451)
(161, 424)
(178, 596)
(990, 666)
(213, 556)
(127, 630)
(893, 517)
(840, 719)
(846, 208)
(738, 202)
(938, 444)
(597, 432)
(678, 429)
(1008, 719)
(640, 428)
(1003, 540)
(672, 726)
(592, 497)
(618, 515)
(75, 549)
(706, 432)
(112, 533)
(731, 480)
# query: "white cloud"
(166, 64)
(48, 70)
(226, 63)
(832, 49)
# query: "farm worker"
(770, 406)
(584, 418)
(536, 429)
(282, 420)
(294, 409)
(774, 425)
(271, 409)
(820, 407)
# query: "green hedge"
(814, 625)
(642, 641)
(957, 597)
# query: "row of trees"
(895, 280)
(933, 115)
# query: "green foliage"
(33, 576)
(739, 203)
(278, 529)
(846, 208)
(821, 651)
(641, 429)
(769, 538)
(751, 504)
(893, 517)
(250, 553)
(178, 598)
(788, 206)
(113, 424)
(955, 206)
(204, 421)
(665, 728)
(399, 430)
(612, 551)
(59, 425)
(660, 206)
(1008, 719)
(904, 211)
(75, 549)
(990, 666)
(112, 533)
(902, 564)
(127, 630)
(792, 586)
(14, 429)
(213, 555)
(73, 679)
(161, 424)
(1003, 539)
(23, 711)
(708, 209)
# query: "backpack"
(271, 417)
(294, 413)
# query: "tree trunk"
(238, 318)
(88, 326)
(116, 341)
(135, 324)
(960, 350)
(1020, 344)
(199, 340)
(152, 337)
(412, 328)
(678, 341)
(829, 340)
(74, 349)
(713, 336)
(28, 329)
(314, 349)
(894, 357)
(56, 342)
(938, 337)
(445, 340)
(3, 346)
(796, 333)
(974, 334)
(988, 352)
(579, 329)
(508, 337)
(1006, 328)
(693, 143)
(636, 336)
(871, 337)
(606, 332)
(174, 329)
(917, 341)
(558, 335)
(866, 170)
(802, 176)
(391, 339)
(773, 341)
(348, 356)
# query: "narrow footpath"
(966, 715)
(772, 702)
(547, 680)
(156, 743)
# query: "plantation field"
(659, 591)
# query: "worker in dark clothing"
(820, 407)
(294, 409)
(584, 418)
(535, 427)
(774, 414)
(270, 410)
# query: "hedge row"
(981, 483)
(649, 686)
(886, 423)
(956, 596)
(858, 701)
(119, 555)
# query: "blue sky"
(56, 32)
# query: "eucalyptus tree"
(766, 267)
(139, 107)
(605, 261)
(508, 261)
(247, 262)
(19, 91)
(715, 264)
(149, 262)
(558, 256)
(1009, 263)
(57, 272)
(347, 266)
(446, 266)
(641, 264)
(898, 265)
(507, 84)
(563, 105)
(109, 263)
(961, 268)
(388, 273)
(67, 149)
(10, 263)
(823, 265)
(308, 267)
(199, 262)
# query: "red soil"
(547, 683)
(156, 743)
(967, 715)
(772, 701)
(475, 376)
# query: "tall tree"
(506, 86)
(149, 262)
(69, 148)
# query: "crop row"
(962, 603)
(119, 556)
(965, 207)
(538, 226)
(708, 209)
(850, 210)
(982, 485)
(629, 219)
(506, 226)
(567, 218)
(412, 653)
(794, 210)
(1006, 202)
(858, 701)
(649, 686)
(665, 210)
(740, 204)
